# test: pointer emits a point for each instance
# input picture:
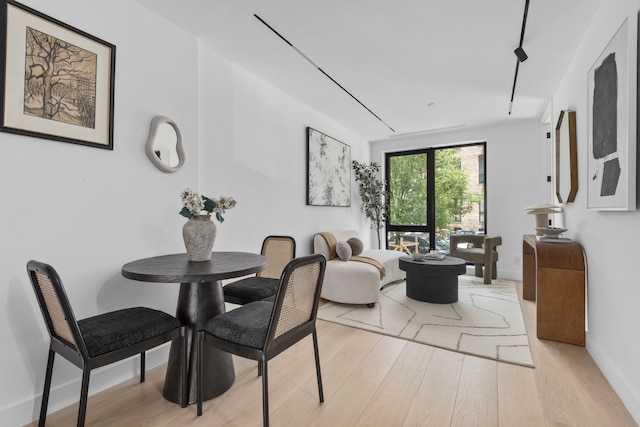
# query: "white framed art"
(328, 170)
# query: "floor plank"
(375, 380)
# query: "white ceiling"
(419, 65)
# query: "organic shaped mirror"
(566, 157)
(164, 146)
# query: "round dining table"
(200, 299)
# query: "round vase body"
(199, 234)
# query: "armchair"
(479, 249)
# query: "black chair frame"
(273, 347)
(269, 276)
(77, 353)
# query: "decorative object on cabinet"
(611, 165)
(554, 275)
(164, 145)
(328, 170)
(541, 212)
(551, 232)
(58, 80)
(566, 157)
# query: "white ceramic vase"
(199, 233)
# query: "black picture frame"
(70, 96)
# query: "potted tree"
(372, 194)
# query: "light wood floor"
(373, 380)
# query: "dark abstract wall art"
(612, 123)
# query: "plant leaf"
(209, 205)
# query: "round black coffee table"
(434, 281)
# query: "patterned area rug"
(486, 320)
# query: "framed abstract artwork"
(328, 170)
(56, 82)
(612, 86)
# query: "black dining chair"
(278, 250)
(261, 330)
(99, 340)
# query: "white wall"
(88, 211)
(253, 142)
(512, 179)
(610, 239)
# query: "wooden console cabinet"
(553, 274)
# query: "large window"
(432, 193)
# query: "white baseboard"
(629, 398)
(63, 395)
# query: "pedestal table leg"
(198, 302)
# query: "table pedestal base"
(198, 303)
(434, 281)
(433, 289)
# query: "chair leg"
(265, 392)
(84, 391)
(47, 389)
(200, 376)
(488, 272)
(314, 335)
(142, 368)
(478, 270)
(185, 355)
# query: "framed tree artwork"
(56, 81)
(328, 170)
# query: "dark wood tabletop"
(175, 268)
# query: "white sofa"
(355, 282)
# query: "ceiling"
(412, 65)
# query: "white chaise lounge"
(355, 282)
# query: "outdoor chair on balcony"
(479, 249)
(99, 340)
(278, 250)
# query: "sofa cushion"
(343, 250)
(356, 245)
(320, 244)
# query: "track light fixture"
(520, 53)
(322, 71)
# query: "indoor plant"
(199, 232)
(372, 193)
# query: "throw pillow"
(356, 246)
(343, 250)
